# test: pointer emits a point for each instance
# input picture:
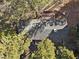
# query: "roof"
(38, 30)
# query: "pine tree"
(64, 53)
(13, 46)
(46, 50)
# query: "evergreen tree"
(12, 46)
(46, 50)
(64, 53)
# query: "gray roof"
(38, 30)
